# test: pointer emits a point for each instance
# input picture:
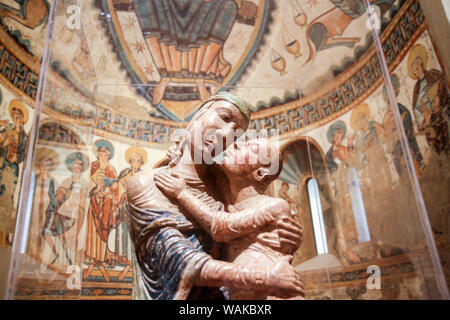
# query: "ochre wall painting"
(115, 95)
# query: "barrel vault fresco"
(119, 85)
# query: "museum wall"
(106, 106)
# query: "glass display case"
(356, 103)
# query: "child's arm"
(222, 226)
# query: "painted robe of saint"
(393, 140)
(66, 211)
(102, 209)
(373, 172)
(431, 100)
(136, 158)
(366, 138)
(13, 141)
(186, 39)
(338, 153)
(46, 161)
(339, 159)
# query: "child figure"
(251, 229)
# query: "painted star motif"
(138, 46)
(129, 23)
(149, 69)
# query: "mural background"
(107, 92)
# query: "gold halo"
(362, 108)
(418, 51)
(137, 150)
(46, 153)
(17, 104)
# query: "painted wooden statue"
(176, 257)
(249, 230)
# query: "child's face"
(244, 157)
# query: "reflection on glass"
(317, 217)
(24, 235)
(358, 205)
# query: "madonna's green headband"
(243, 106)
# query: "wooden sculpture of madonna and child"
(203, 230)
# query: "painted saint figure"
(338, 153)
(430, 100)
(392, 135)
(46, 161)
(136, 158)
(339, 159)
(326, 31)
(283, 194)
(373, 173)
(66, 211)
(102, 210)
(13, 140)
(174, 254)
(186, 39)
(366, 137)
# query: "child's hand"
(283, 280)
(170, 184)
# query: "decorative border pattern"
(17, 73)
(347, 91)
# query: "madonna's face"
(216, 129)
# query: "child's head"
(258, 160)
